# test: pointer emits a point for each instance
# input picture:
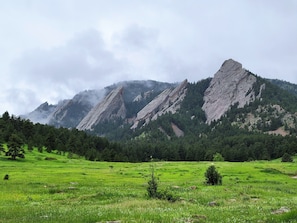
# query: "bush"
(152, 190)
(218, 157)
(152, 186)
(166, 195)
(287, 158)
(212, 176)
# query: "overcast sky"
(53, 49)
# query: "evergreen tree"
(152, 185)
(15, 147)
(212, 176)
(287, 158)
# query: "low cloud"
(48, 55)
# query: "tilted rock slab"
(168, 101)
(111, 107)
(231, 84)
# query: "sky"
(53, 49)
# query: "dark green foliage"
(212, 176)
(157, 139)
(152, 185)
(292, 88)
(15, 147)
(17, 133)
(1, 148)
(166, 195)
(287, 158)
(218, 157)
(153, 192)
(276, 95)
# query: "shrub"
(166, 195)
(152, 190)
(212, 176)
(287, 158)
(218, 157)
(152, 185)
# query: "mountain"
(72, 113)
(67, 113)
(166, 102)
(292, 88)
(231, 84)
(235, 113)
(112, 106)
(151, 109)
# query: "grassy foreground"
(75, 190)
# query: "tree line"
(233, 143)
(16, 132)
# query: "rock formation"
(71, 112)
(168, 101)
(231, 84)
(67, 113)
(41, 114)
(112, 106)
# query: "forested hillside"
(44, 137)
(292, 88)
(236, 113)
(236, 136)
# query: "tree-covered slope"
(292, 88)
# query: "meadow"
(46, 187)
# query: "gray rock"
(281, 210)
(231, 84)
(112, 106)
(168, 101)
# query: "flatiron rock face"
(231, 84)
(168, 101)
(112, 106)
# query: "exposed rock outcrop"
(231, 84)
(41, 114)
(111, 107)
(67, 113)
(71, 112)
(168, 101)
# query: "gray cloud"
(82, 63)
(83, 58)
(53, 49)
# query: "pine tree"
(15, 147)
(212, 176)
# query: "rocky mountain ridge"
(68, 112)
(130, 106)
(168, 101)
(231, 84)
(111, 107)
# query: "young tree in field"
(212, 176)
(15, 147)
(152, 185)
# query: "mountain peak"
(230, 65)
(231, 84)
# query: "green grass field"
(76, 190)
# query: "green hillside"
(262, 130)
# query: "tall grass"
(76, 190)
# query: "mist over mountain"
(235, 113)
(132, 108)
